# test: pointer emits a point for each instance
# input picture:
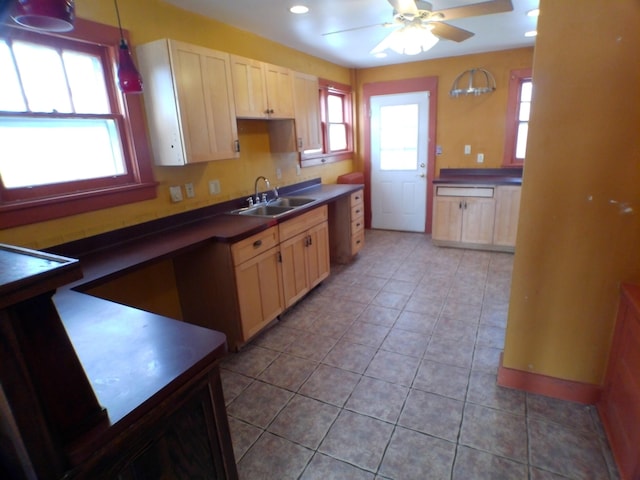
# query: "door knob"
(422, 165)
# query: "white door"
(399, 146)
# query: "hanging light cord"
(115, 2)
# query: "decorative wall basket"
(479, 82)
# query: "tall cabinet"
(188, 95)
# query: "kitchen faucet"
(259, 200)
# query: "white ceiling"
(271, 19)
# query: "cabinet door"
(507, 212)
(259, 287)
(189, 102)
(477, 220)
(249, 87)
(318, 254)
(307, 109)
(447, 218)
(295, 276)
(279, 81)
(205, 102)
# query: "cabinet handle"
(357, 211)
(310, 240)
(357, 197)
(279, 257)
(460, 205)
(257, 243)
(358, 224)
(236, 145)
(358, 242)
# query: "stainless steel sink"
(291, 201)
(263, 211)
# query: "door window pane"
(399, 137)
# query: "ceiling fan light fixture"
(534, 12)
(531, 33)
(411, 39)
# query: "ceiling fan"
(419, 27)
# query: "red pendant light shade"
(49, 15)
(129, 79)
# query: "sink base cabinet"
(240, 288)
(233, 288)
(305, 254)
(259, 291)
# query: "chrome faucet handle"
(264, 198)
(250, 200)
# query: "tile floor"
(388, 371)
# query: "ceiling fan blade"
(449, 32)
(476, 9)
(405, 7)
(385, 24)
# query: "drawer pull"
(358, 242)
(358, 224)
(357, 211)
(257, 243)
(358, 198)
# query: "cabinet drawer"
(357, 212)
(293, 227)
(254, 245)
(357, 225)
(356, 198)
(357, 242)
(465, 191)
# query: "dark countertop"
(134, 358)
(479, 176)
(228, 228)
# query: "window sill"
(14, 214)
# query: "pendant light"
(129, 79)
(48, 15)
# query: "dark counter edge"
(479, 176)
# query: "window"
(337, 126)
(518, 111)
(71, 142)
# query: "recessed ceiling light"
(533, 13)
(299, 9)
(532, 33)
(380, 55)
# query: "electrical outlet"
(214, 187)
(480, 157)
(279, 173)
(176, 193)
(188, 187)
(467, 149)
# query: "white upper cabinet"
(261, 90)
(188, 95)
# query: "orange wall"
(476, 121)
(575, 242)
(148, 20)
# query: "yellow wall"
(476, 121)
(575, 243)
(149, 20)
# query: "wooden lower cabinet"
(475, 216)
(259, 291)
(619, 404)
(305, 254)
(507, 213)
(346, 227)
(233, 288)
(463, 219)
(239, 288)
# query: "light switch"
(176, 193)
